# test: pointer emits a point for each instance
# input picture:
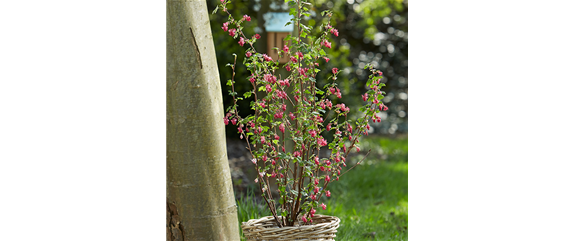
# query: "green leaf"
(229, 82)
(293, 12)
(247, 94)
(216, 8)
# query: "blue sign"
(275, 22)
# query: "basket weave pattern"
(324, 228)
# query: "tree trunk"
(200, 199)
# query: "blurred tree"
(370, 31)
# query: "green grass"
(371, 200)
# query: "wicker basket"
(265, 229)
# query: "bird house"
(276, 33)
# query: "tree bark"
(200, 198)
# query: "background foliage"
(370, 31)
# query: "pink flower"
(328, 193)
(257, 36)
(332, 89)
(282, 128)
(232, 32)
(383, 107)
(323, 206)
(316, 181)
(285, 48)
(233, 121)
(292, 116)
(267, 58)
(254, 160)
(317, 160)
(380, 73)
(288, 68)
(322, 168)
(284, 107)
(321, 141)
(225, 28)
(256, 180)
(327, 179)
(313, 133)
(296, 154)
(262, 139)
(316, 190)
(278, 115)
(242, 42)
(273, 174)
(365, 97)
(264, 158)
(273, 163)
(328, 127)
(304, 219)
(313, 196)
(335, 70)
(358, 149)
(293, 59)
(268, 88)
(276, 137)
(329, 104)
(248, 54)
(247, 18)
(225, 120)
(326, 59)
(335, 32)
(326, 43)
(303, 71)
(252, 80)
(300, 55)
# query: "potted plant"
(299, 175)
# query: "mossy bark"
(200, 198)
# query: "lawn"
(371, 200)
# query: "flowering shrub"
(301, 175)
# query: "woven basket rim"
(265, 228)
